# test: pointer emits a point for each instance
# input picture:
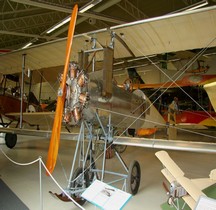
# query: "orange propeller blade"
(56, 130)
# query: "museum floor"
(24, 180)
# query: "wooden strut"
(56, 130)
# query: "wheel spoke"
(133, 180)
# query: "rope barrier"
(40, 161)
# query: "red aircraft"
(195, 109)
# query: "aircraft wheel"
(10, 140)
(90, 165)
(133, 179)
(81, 181)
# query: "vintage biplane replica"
(182, 187)
(90, 98)
(11, 102)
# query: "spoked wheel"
(81, 181)
(90, 166)
(133, 179)
(10, 140)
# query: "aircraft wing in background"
(189, 80)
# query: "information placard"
(105, 196)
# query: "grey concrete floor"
(24, 180)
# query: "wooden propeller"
(56, 130)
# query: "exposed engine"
(176, 190)
(76, 94)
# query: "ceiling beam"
(26, 35)
(68, 10)
(18, 11)
(132, 10)
(31, 25)
(82, 19)
(190, 2)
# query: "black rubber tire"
(89, 168)
(82, 182)
(10, 140)
(133, 179)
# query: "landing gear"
(91, 166)
(10, 140)
(133, 179)
(80, 181)
(87, 171)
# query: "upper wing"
(169, 164)
(176, 32)
(189, 80)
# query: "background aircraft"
(11, 102)
(189, 190)
(195, 108)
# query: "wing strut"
(56, 130)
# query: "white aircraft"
(189, 190)
(97, 102)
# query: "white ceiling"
(28, 20)
(171, 33)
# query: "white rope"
(40, 160)
(16, 163)
(61, 187)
